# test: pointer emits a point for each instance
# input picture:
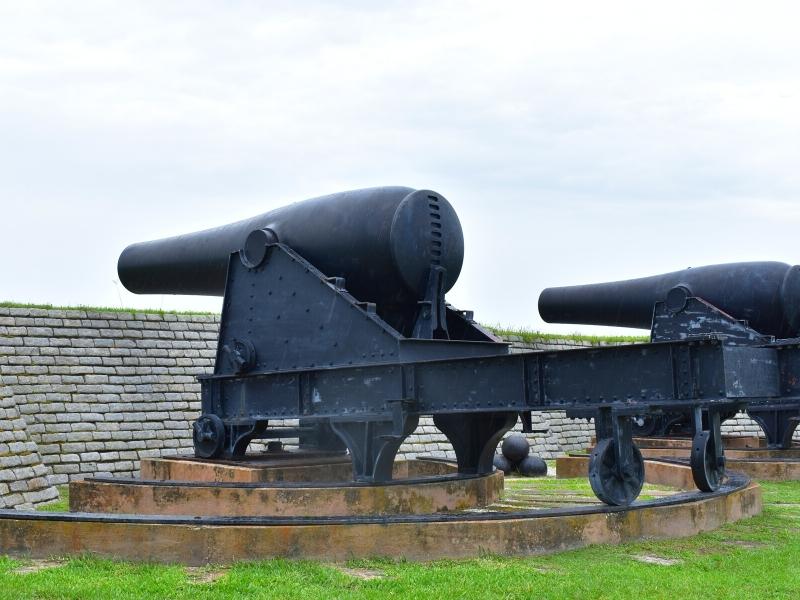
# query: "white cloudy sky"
(578, 141)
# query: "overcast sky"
(578, 142)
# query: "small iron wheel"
(707, 472)
(611, 485)
(209, 436)
(643, 425)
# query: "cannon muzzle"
(766, 294)
(383, 241)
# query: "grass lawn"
(532, 336)
(755, 558)
(109, 309)
(525, 334)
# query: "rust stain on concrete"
(163, 498)
(198, 545)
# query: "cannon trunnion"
(334, 315)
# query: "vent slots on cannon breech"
(334, 314)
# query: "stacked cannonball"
(516, 456)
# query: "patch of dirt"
(363, 574)
(747, 545)
(201, 575)
(34, 566)
(538, 569)
(656, 560)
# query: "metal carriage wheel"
(615, 484)
(708, 466)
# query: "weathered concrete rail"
(201, 540)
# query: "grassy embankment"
(108, 309)
(524, 334)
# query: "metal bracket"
(373, 445)
(682, 317)
(475, 437)
(777, 422)
(431, 320)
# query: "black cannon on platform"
(749, 303)
(334, 314)
(320, 294)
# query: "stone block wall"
(99, 391)
(24, 480)
(742, 425)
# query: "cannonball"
(515, 448)
(532, 466)
(501, 463)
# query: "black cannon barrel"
(383, 241)
(766, 294)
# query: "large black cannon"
(763, 298)
(766, 295)
(334, 314)
(355, 278)
(383, 241)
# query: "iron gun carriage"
(748, 304)
(334, 315)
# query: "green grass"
(60, 505)
(111, 309)
(754, 558)
(579, 486)
(530, 336)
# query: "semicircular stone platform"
(265, 488)
(427, 513)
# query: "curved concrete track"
(204, 539)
